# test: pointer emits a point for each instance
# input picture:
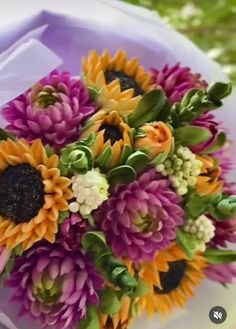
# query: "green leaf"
(105, 158)
(91, 321)
(92, 240)
(138, 160)
(196, 206)
(217, 256)
(141, 289)
(186, 242)
(62, 216)
(191, 135)
(4, 135)
(164, 114)
(219, 143)
(93, 93)
(127, 150)
(220, 90)
(160, 158)
(121, 175)
(109, 302)
(149, 107)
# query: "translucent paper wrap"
(36, 37)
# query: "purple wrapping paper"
(70, 29)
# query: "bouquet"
(114, 197)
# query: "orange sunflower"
(119, 82)
(121, 320)
(32, 193)
(170, 279)
(209, 181)
(110, 131)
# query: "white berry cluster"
(89, 190)
(202, 230)
(182, 168)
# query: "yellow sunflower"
(170, 279)
(121, 320)
(120, 82)
(110, 131)
(209, 182)
(31, 194)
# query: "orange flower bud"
(158, 139)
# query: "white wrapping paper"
(142, 33)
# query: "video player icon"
(217, 314)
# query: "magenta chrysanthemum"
(176, 81)
(222, 273)
(53, 110)
(207, 121)
(54, 285)
(225, 159)
(141, 218)
(72, 230)
(225, 232)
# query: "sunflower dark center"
(21, 193)
(172, 279)
(126, 82)
(111, 133)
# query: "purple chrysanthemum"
(141, 218)
(225, 232)
(222, 273)
(72, 230)
(176, 81)
(226, 160)
(54, 285)
(53, 110)
(208, 121)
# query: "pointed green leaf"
(4, 135)
(91, 321)
(219, 143)
(105, 158)
(138, 160)
(121, 175)
(149, 107)
(109, 302)
(191, 135)
(164, 114)
(220, 90)
(160, 158)
(127, 150)
(187, 244)
(217, 256)
(92, 240)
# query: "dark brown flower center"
(126, 82)
(172, 279)
(21, 193)
(111, 133)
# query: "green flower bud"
(76, 158)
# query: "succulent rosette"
(143, 215)
(53, 110)
(113, 193)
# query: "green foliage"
(209, 24)
(154, 106)
(91, 321)
(116, 271)
(187, 244)
(215, 256)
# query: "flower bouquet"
(114, 198)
